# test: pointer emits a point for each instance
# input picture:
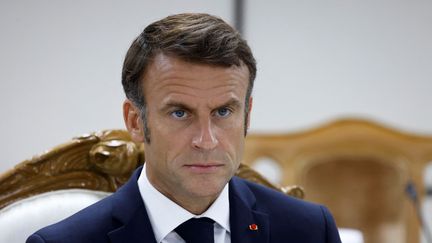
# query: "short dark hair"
(192, 37)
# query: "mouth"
(203, 168)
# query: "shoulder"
(288, 215)
(272, 199)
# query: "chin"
(207, 188)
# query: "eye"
(223, 112)
(179, 114)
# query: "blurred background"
(60, 65)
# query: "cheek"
(232, 124)
(233, 140)
(171, 142)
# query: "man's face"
(195, 115)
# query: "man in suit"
(188, 79)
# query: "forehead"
(167, 75)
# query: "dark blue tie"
(197, 230)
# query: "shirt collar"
(165, 215)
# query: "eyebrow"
(170, 104)
(232, 102)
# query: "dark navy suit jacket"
(122, 218)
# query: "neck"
(194, 204)
(195, 207)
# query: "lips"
(203, 168)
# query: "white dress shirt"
(165, 215)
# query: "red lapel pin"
(253, 227)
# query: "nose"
(205, 139)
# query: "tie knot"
(197, 230)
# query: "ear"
(249, 112)
(133, 121)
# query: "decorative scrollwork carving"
(105, 156)
(295, 191)
(248, 173)
(100, 161)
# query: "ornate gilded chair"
(359, 169)
(67, 178)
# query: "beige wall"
(324, 59)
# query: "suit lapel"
(244, 215)
(129, 211)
